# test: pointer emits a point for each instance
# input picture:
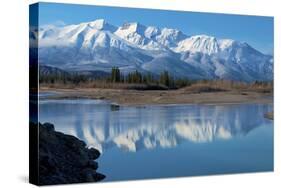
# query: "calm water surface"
(157, 141)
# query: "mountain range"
(99, 46)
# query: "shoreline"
(127, 97)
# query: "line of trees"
(164, 79)
(144, 80)
(63, 78)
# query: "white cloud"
(57, 23)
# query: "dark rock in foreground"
(65, 159)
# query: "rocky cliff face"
(65, 159)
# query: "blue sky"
(255, 30)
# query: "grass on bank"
(139, 81)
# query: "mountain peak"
(152, 31)
(133, 27)
(199, 43)
(101, 24)
(97, 23)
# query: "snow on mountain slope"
(91, 34)
(150, 38)
(98, 45)
(170, 37)
(136, 34)
(178, 68)
(200, 43)
(87, 46)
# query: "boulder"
(65, 159)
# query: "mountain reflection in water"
(103, 125)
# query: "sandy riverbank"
(138, 97)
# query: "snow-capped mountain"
(99, 45)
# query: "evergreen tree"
(115, 74)
(165, 78)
